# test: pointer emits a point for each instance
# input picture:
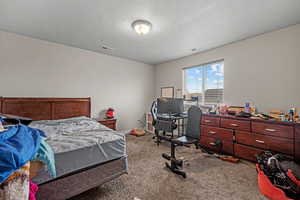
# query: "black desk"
(179, 118)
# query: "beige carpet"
(207, 177)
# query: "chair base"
(176, 170)
(175, 164)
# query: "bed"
(87, 154)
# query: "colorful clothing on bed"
(17, 185)
(46, 155)
(33, 188)
(18, 145)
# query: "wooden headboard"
(46, 108)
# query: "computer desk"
(179, 118)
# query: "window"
(205, 82)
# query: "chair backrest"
(153, 111)
(193, 122)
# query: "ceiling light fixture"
(141, 27)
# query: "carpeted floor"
(148, 179)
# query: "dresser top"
(271, 121)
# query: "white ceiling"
(178, 25)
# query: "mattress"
(79, 143)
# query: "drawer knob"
(212, 144)
(235, 125)
(270, 129)
(212, 132)
(208, 121)
(260, 141)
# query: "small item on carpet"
(135, 198)
(228, 158)
(137, 132)
(224, 157)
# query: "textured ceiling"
(178, 25)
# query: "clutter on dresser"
(291, 115)
(251, 111)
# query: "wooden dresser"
(244, 138)
(110, 123)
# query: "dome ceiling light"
(141, 27)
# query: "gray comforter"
(74, 133)
(79, 143)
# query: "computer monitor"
(170, 105)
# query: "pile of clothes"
(19, 146)
(278, 176)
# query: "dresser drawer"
(297, 132)
(297, 151)
(209, 143)
(109, 123)
(211, 121)
(281, 145)
(273, 129)
(297, 143)
(245, 152)
(111, 126)
(224, 134)
(242, 125)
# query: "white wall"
(35, 68)
(264, 70)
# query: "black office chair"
(191, 136)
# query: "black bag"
(13, 119)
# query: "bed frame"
(46, 108)
(58, 108)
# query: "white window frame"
(204, 74)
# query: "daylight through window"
(205, 82)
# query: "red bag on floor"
(291, 175)
(267, 188)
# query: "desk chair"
(191, 136)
